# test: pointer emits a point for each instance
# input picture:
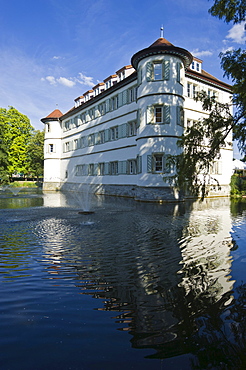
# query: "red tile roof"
(55, 114)
(161, 42)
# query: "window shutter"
(95, 171)
(86, 170)
(149, 114)
(96, 138)
(120, 99)
(107, 105)
(166, 114)
(107, 135)
(96, 111)
(180, 115)
(87, 116)
(122, 167)
(166, 70)
(124, 97)
(85, 141)
(122, 130)
(178, 71)
(138, 118)
(139, 76)
(149, 71)
(106, 168)
(166, 165)
(149, 163)
(139, 164)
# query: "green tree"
(3, 151)
(17, 132)
(36, 154)
(201, 144)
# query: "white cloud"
(237, 33)
(203, 53)
(56, 57)
(85, 80)
(66, 82)
(70, 82)
(229, 48)
(51, 80)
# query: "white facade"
(119, 134)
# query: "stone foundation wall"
(145, 194)
(52, 186)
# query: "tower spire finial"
(162, 33)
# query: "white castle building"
(118, 134)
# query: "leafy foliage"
(231, 10)
(36, 154)
(3, 150)
(201, 143)
(18, 142)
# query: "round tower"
(161, 73)
(52, 150)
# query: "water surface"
(132, 286)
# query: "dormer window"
(196, 65)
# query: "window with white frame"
(158, 70)
(113, 168)
(132, 94)
(212, 93)
(157, 163)
(67, 146)
(192, 90)
(91, 169)
(132, 128)
(190, 123)
(216, 168)
(132, 166)
(101, 109)
(51, 148)
(91, 140)
(114, 133)
(114, 102)
(76, 144)
(158, 114)
(101, 169)
(162, 114)
(91, 113)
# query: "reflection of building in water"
(138, 275)
(205, 248)
(54, 199)
(131, 259)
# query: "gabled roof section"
(208, 78)
(53, 116)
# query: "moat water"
(131, 286)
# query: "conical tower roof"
(161, 42)
(162, 46)
(53, 116)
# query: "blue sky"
(52, 51)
